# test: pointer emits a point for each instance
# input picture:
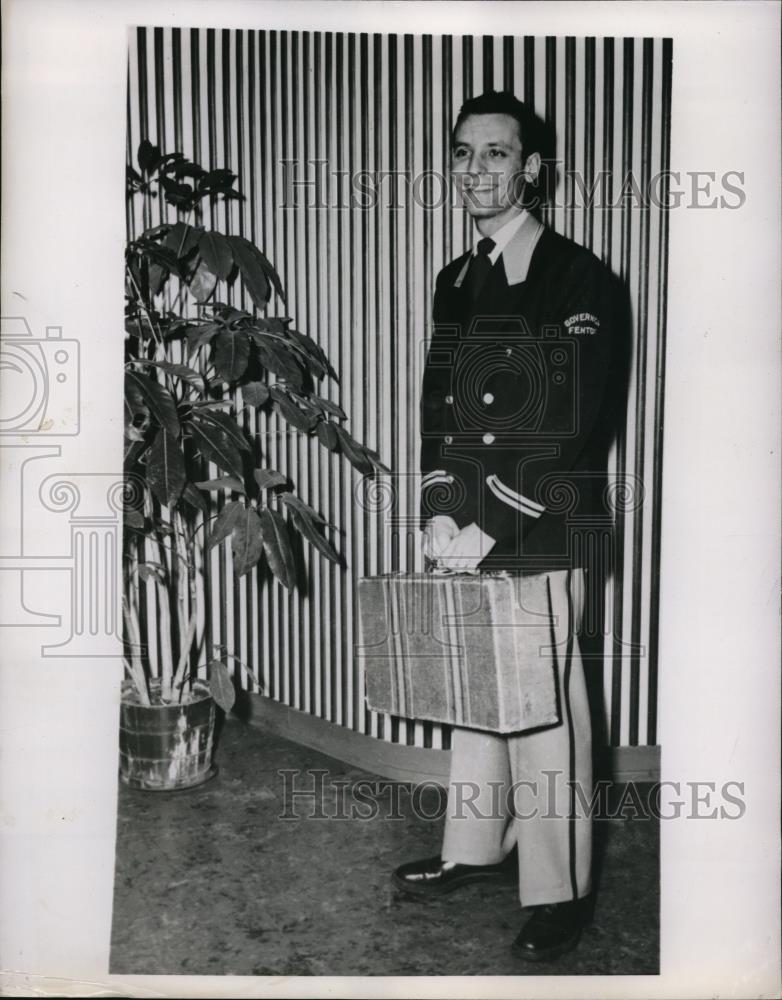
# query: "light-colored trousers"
(521, 789)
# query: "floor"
(212, 881)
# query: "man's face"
(487, 164)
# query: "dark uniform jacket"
(519, 398)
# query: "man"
(514, 427)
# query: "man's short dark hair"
(532, 131)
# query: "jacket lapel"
(506, 279)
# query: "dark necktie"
(479, 269)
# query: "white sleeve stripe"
(516, 496)
(513, 499)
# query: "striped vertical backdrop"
(300, 116)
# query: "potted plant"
(191, 362)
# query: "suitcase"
(471, 650)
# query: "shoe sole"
(424, 890)
(549, 954)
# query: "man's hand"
(466, 549)
(438, 533)
(449, 548)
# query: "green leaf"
(191, 495)
(246, 541)
(133, 433)
(278, 358)
(268, 478)
(170, 159)
(152, 571)
(229, 314)
(176, 193)
(158, 399)
(277, 547)
(228, 425)
(374, 458)
(303, 508)
(184, 168)
(224, 523)
(353, 451)
(214, 445)
(198, 335)
(202, 283)
(182, 239)
(221, 686)
(189, 375)
(212, 404)
(221, 175)
(326, 404)
(255, 393)
(152, 232)
(231, 355)
(290, 411)
(312, 348)
(134, 518)
(251, 270)
(157, 278)
(311, 533)
(216, 253)
(131, 456)
(327, 435)
(223, 483)
(135, 404)
(158, 254)
(271, 274)
(166, 468)
(148, 155)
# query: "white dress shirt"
(503, 236)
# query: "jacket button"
(448, 439)
(449, 400)
(488, 398)
(488, 439)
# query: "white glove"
(466, 549)
(438, 532)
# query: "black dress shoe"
(435, 877)
(551, 931)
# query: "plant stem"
(176, 568)
(165, 650)
(184, 656)
(134, 641)
(157, 541)
(182, 284)
(242, 664)
(185, 588)
(155, 334)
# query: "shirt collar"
(516, 241)
(503, 235)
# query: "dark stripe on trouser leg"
(551, 624)
(571, 745)
(569, 722)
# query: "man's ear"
(532, 168)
